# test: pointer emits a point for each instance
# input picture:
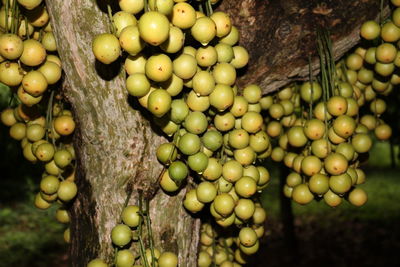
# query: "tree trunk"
(281, 34)
(115, 146)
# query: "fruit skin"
(153, 28)
(106, 48)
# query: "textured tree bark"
(115, 145)
(280, 34)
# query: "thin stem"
(110, 17)
(381, 12)
(140, 229)
(146, 5)
(312, 88)
(150, 233)
(6, 16)
(26, 28)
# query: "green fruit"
(196, 122)
(224, 73)
(106, 48)
(198, 162)
(204, 30)
(189, 144)
(173, 85)
(168, 259)
(259, 141)
(137, 84)
(246, 187)
(222, 22)
(370, 30)
(29, 4)
(340, 184)
(252, 93)
(162, 6)
(178, 171)
(153, 27)
(122, 20)
(238, 138)
(11, 46)
(51, 71)
(158, 67)
(247, 237)
(97, 263)
(185, 66)
(240, 57)
(124, 258)
(10, 73)
(175, 40)
(183, 15)
(362, 143)
(252, 122)
(319, 184)
(232, 38)
(213, 170)
(35, 132)
(232, 171)
(62, 215)
(224, 52)
(67, 190)
(206, 192)
(45, 152)
(62, 158)
(121, 235)
(224, 204)
(167, 184)
(191, 203)
(310, 92)
(240, 106)
(222, 97)
(130, 40)
(302, 195)
(212, 140)
(203, 83)
(206, 56)
(159, 102)
(244, 208)
(49, 185)
(131, 6)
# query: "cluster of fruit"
(181, 67)
(122, 235)
(324, 132)
(30, 67)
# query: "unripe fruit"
(64, 125)
(370, 30)
(11, 46)
(224, 204)
(153, 27)
(183, 15)
(159, 102)
(302, 195)
(222, 22)
(167, 259)
(10, 73)
(358, 197)
(130, 40)
(131, 6)
(67, 190)
(158, 67)
(175, 40)
(124, 258)
(121, 235)
(34, 83)
(204, 30)
(106, 48)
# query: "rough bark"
(115, 145)
(280, 34)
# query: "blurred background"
(309, 235)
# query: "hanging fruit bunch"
(323, 127)
(181, 64)
(37, 115)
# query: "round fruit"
(358, 197)
(153, 27)
(121, 235)
(106, 48)
(67, 190)
(64, 125)
(302, 195)
(159, 67)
